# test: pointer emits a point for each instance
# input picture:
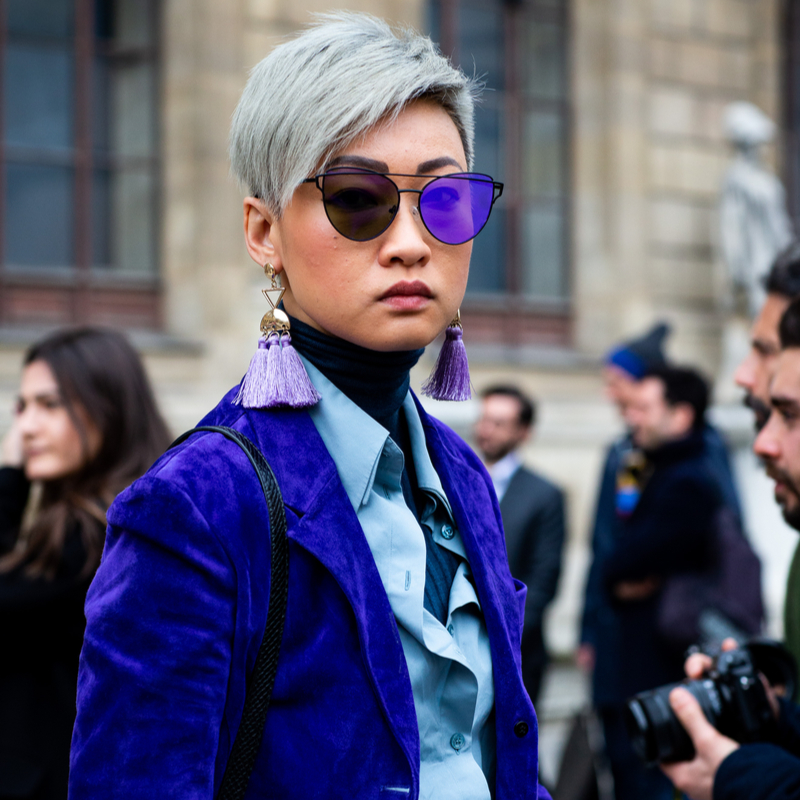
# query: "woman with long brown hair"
(86, 426)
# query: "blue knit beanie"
(638, 357)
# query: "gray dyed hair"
(317, 93)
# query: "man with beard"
(533, 515)
(753, 375)
(721, 768)
(782, 284)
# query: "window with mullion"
(79, 140)
(519, 50)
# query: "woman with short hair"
(399, 673)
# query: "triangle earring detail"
(449, 379)
(276, 376)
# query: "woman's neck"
(376, 382)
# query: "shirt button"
(521, 728)
(457, 741)
(450, 628)
(448, 532)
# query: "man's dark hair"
(784, 276)
(685, 385)
(789, 327)
(527, 406)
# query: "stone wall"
(650, 79)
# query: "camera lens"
(655, 733)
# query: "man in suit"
(533, 515)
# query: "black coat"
(533, 519)
(764, 771)
(41, 628)
(670, 531)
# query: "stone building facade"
(644, 84)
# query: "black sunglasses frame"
(497, 191)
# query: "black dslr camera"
(731, 695)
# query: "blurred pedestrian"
(86, 425)
(533, 515)
(669, 531)
(625, 365)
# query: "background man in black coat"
(533, 515)
(669, 531)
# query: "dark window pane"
(132, 23)
(39, 221)
(132, 105)
(39, 96)
(488, 142)
(104, 19)
(101, 219)
(487, 266)
(480, 43)
(542, 156)
(542, 59)
(101, 117)
(47, 18)
(434, 21)
(132, 221)
(543, 252)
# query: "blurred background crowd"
(651, 161)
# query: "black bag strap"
(262, 680)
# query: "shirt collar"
(356, 457)
(503, 470)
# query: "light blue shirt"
(502, 472)
(450, 665)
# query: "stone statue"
(754, 223)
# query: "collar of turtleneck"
(376, 382)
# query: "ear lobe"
(261, 233)
(684, 417)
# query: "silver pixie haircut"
(317, 93)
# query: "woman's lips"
(407, 295)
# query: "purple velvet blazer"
(177, 610)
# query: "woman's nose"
(406, 239)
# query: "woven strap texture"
(262, 680)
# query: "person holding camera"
(722, 769)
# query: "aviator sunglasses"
(362, 204)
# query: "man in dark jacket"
(722, 769)
(668, 531)
(533, 515)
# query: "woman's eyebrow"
(437, 163)
(360, 161)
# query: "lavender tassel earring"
(276, 375)
(450, 377)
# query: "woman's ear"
(261, 234)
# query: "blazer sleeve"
(758, 772)
(156, 658)
(546, 537)
(603, 542)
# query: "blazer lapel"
(329, 529)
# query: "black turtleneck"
(377, 383)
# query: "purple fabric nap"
(176, 613)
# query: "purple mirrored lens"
(455, 208)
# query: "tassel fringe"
(449, 379)
(276, 377)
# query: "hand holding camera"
(690, 728)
